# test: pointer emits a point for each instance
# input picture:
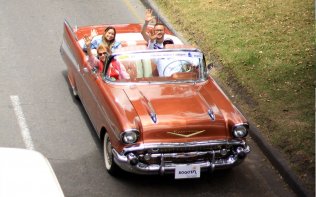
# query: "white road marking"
(22, 122)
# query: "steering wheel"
(178, 66)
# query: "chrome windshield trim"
(156, 50)
(153, 82)
(141, 81)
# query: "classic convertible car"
(168, 116)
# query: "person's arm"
(150, 45)
(148, 18)
(160, 67)
(95, 42)
(116, 45)
(87, 41)
(144, 33)
(93, 61)
(93, 34)
(124, 74)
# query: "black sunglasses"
(104, 53)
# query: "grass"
(264, 51)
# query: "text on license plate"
(187, 171)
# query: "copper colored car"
(168, 116)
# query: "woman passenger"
(116, 71)
(108, 39)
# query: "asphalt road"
(33, 77)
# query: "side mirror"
(94, 69)
(94, 72)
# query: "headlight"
(240, 131)
(130, 136)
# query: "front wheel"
(110, 165)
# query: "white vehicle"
(27, 173)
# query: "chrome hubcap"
(107, 152)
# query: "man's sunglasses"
(104, 53)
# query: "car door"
(81, 73)
(94, 96)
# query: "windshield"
(157, 66)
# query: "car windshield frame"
(184, 76)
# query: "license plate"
(187, 171)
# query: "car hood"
(181, 113)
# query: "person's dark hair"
(159, 23)
(167, 41)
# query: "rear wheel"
(110, 165)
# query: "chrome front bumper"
(215, 155)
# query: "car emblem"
(185, 133)
(153, 117)
(211, 114)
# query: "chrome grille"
(185, 157)
(190, 152)
(186, 149)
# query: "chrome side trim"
(71, 29)
(155, 82)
